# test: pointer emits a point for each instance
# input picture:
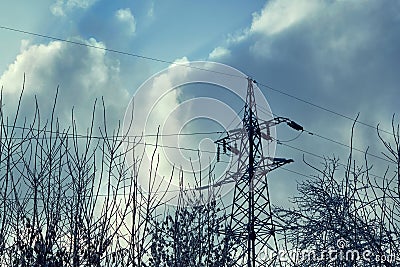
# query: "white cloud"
(278, 15)
(321, 51)
(161, 104)
(125, 16)
(60, 7)
(25, 43)
(155, 105)
(219, 52)
(83, 75)
(150, 13)
(166, 102)
(238, 36)
(57, 9)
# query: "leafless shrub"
(70, 199)
(360, 210)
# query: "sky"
(341, 56)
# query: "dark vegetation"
(73, 200)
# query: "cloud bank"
(125, 16)
(82, 74)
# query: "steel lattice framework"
(251, 230)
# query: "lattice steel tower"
(252, 229)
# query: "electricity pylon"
(251, 231)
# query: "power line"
(189, 66)
(110, 137)
(195, 189)
(312, 154)
(115, 51)
(323, 108)
(324, 158)
(43, 130)
(348, 146)
(143, 192)
(328, 139)
(102, 195)
(185, 134)
(296, 172)
(178, 148)
(213, 152)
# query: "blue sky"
(340, 55)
